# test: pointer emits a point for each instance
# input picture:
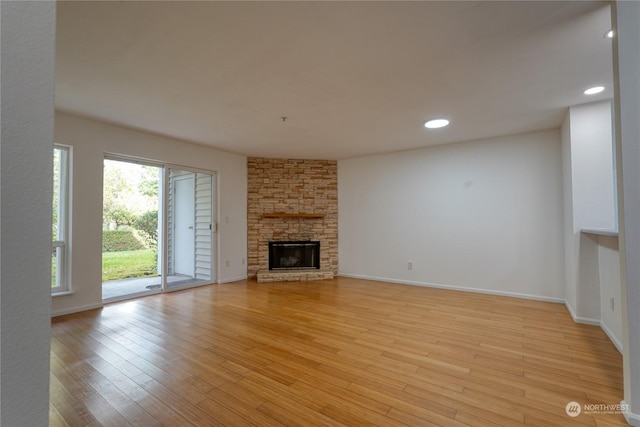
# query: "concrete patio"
(119, 289)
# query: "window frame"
(61, 245)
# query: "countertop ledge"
(600, 232)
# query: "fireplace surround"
(291, 200)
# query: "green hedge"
(120, 240)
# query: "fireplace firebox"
(294, 255)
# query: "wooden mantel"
(292, 215)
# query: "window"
(60, 220)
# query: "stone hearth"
(293, 275)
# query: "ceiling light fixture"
(436, 123)
(609, 34)
(594, 90)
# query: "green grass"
(128, 264)
(54, 267)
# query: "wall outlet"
(612, 302)
(226, 263)
(243, 261)
(410, 265)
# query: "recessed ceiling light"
(436, 123)
(609, 34)
(594, 90)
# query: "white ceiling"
(352, 78)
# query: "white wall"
(626, 64)
(28, 34)
(90, 141)
(610, 288)
(589, 201)
(592, 166)
(484, 215)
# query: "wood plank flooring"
(337, 352)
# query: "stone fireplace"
(292, 201)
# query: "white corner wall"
(611, 304)
(626, 65)
(28, 35)
(90, 141)
(483, 215)
(589, 200)
(592, 166)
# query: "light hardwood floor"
(339, 352)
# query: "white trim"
(611, 336)
(76, 309)
(203, 230)
(133, 159)
(153, 162)
(61, 294)
(65, 215)
(456, 288)
(632, 419)
(583, 320)
(600, 232)
(594, 322)
(215, 243)
(576, 319)
(233, 279)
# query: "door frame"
(214, 225)
(163, 209)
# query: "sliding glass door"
(158, 228)
(130, 214)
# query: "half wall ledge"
(600, 232)
(266, 276)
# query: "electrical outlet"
(226, 263)
(612, 301)
(410, 265)
(243, 261)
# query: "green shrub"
(120, 240)
(147, 226)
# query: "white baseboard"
(76, 309)
(611, 336)
(577, 319)
(632, 419)
(456, 288)
(584, 320)
(595, 322)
